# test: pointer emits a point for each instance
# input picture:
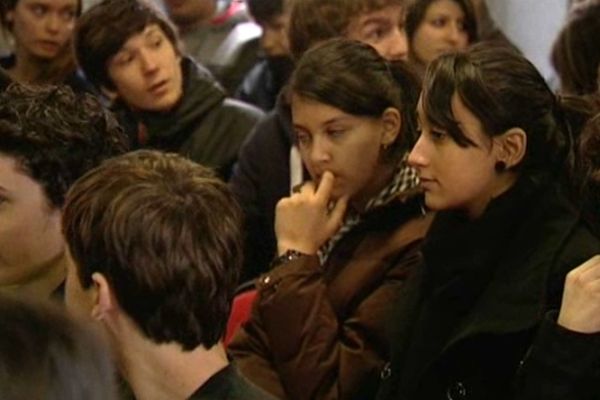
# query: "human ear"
(392, 122)
(511, 147)
(104, 299)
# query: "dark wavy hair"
(354, 78)
(56, 135)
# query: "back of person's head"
(313, 21)
(104, 28)
(165, 233)
(56, 135)
(503, 90)
(576, 54)
(44, 355)
(351, 76)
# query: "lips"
(159, 88)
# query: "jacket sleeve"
(561, 364)
(317, 352)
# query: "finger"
(308, 188)
(590, 264)
(336, 215)
(325, 187)
(590, 270)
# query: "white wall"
(532, 26)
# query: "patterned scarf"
(405, 181)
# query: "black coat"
(469, 327)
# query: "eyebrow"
(376, 20)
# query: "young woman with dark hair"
(347, 239)
(435, 27)
(40, 31)
(478, 322)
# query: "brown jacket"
(320, 332)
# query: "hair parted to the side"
(576, 54)
(504, 90)
(417, 9)
(354, 78)
(166, 234)
(104, 28)
(46, 355)
(56, 135)
(314, 21)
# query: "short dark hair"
(415, 14)
(576, 54)
(313, 21)
(265, 10)
(56, 135)
(503, 90)
(354, 78)
(44, 354)
(166, 234)
(105, 27)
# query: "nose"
(397, 48)
(417, 158)
(455, 35)
(319, 151)
(53, 22)
(148, 62)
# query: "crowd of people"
(409, 209)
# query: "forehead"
(13, 176)
(149, 31)
(51, 3)
(388, 12)
(445, 6)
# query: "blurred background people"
(576, 53)
(40, 32)
(435, 27)
(219, 35)
(45, 355)
(266, 79)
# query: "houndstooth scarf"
(405, 180)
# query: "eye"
(68, 15)
(156, 42)
(303, 138)
(39, 10)
(124, 59)
(336, 132)
(438, 22)
(437, 135)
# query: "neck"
(165, 371)
(502, 185)
(27, 69)
(42, 285)
(381, 179)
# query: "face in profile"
(452, 176)
(42, 28)
(348, 146)
(146, 71)
(384, 30)
(442, 30)
(31, 242)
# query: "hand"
(580, 309)
(304, 222)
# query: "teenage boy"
(219, 35)
(129, 50)
(49, 137)
(269, 164)
(266, 79)
(155, 246)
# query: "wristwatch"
(286, 257)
